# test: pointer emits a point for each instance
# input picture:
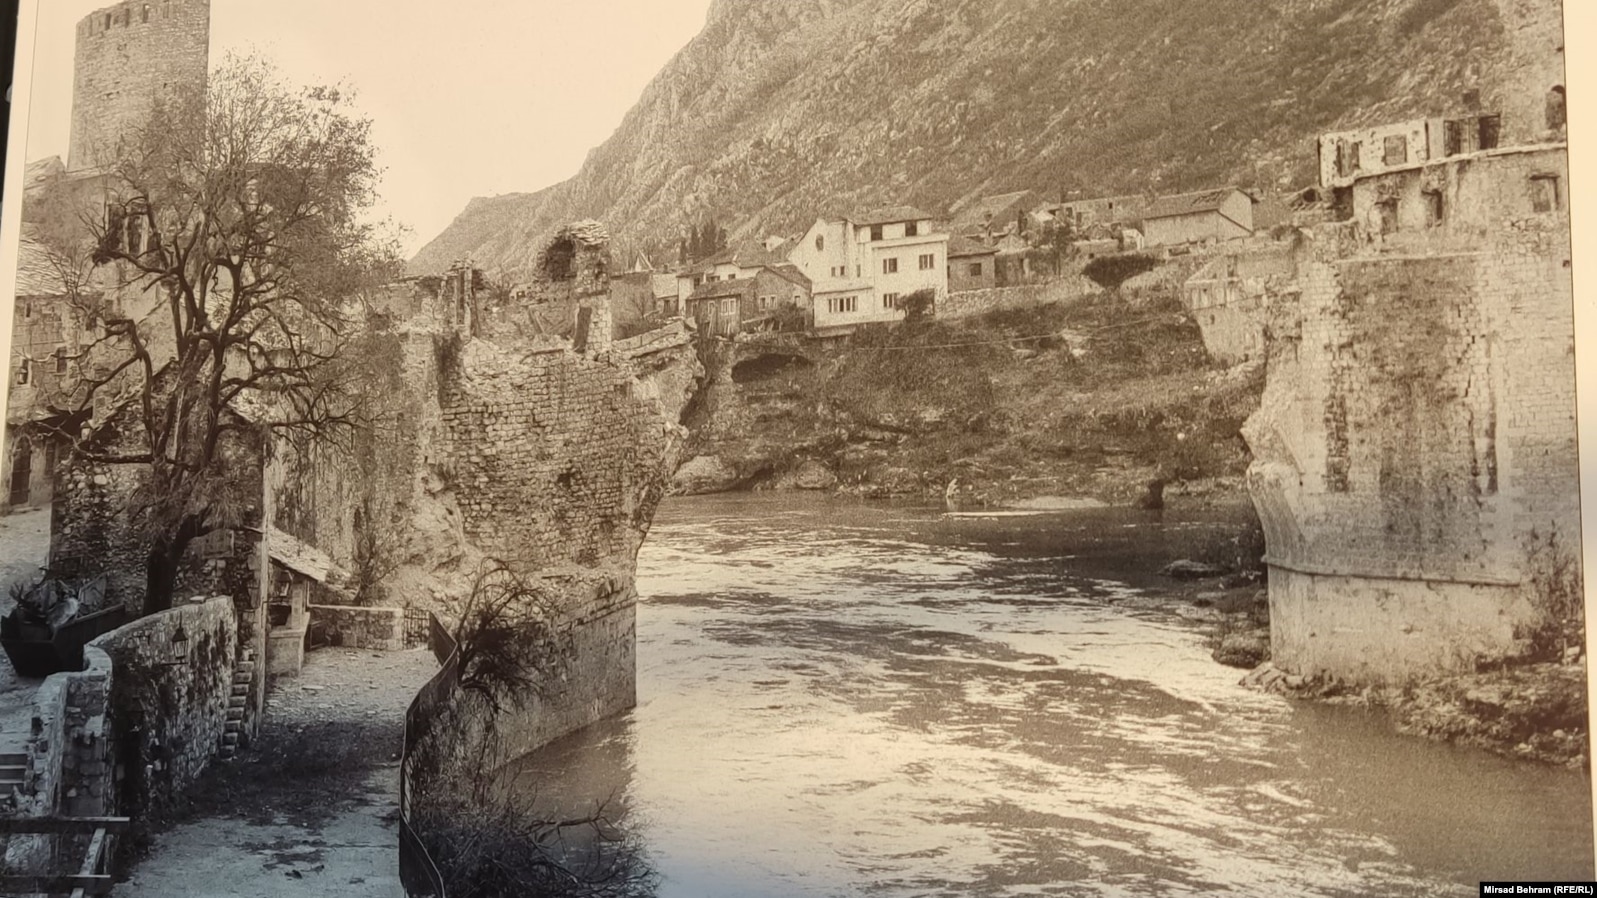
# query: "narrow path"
(24, 549)
(311, 808)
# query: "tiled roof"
(36, 275)
(750, 255)
(300, 557)
(1188, 203)
(997, 206)
(735, 287)
(964, 246)
(888, 215)
(787, 271)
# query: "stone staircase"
(237, 702)
(13, 768)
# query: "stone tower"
(128, 56)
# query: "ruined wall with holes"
(129, 56)
(546, 453)
(1416, 434)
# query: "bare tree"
(215, 261)
(510, 643)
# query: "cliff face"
(778, 113)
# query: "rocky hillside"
(779, 112)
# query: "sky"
(467, 97)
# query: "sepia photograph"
(750, 449)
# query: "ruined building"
(128, 56)
(1415, 452)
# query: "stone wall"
(69, 743)
(553, 457)
(597, 678)
(169, 713)
(980, 302)
(70, 762)
(354, 627)
(1233, 332)
(1416, 436)
(128, 56)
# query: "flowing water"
(838, 699)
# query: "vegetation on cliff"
(1097, 397)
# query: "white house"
(862, 266)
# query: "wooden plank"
(91, 860)
(82, 825)
(54, 885)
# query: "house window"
(1355, 156)
(1452, 137)
(135, 233)
(876, 232)
(837, 304)
(1557, 114)
(1396, 150)
(912, 229)
(890, 266)
(928, 261)
(820, 242)
(1490, 130)
(1387, 209)
(889, 300)
(1544, 193)
(23, 373)
(217, 543)
(60, 362)
(1435, 208)
(974, 269)
(146, 13)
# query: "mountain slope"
(779, 112)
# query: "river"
(840, 699)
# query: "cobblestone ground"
(311, 808)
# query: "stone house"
(46, 334)
(971, 265)
(1347, 155)
(728, 307)
(717, 306)
(732, 263)
(777, 287)
(1207, 216)
(990, 217)
(1083, 215)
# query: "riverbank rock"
(889, 482)
(812, 475)
(1247, 649)
(1186, 569)
(703, 474)
(1535, 711)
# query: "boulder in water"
(1186, 569)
